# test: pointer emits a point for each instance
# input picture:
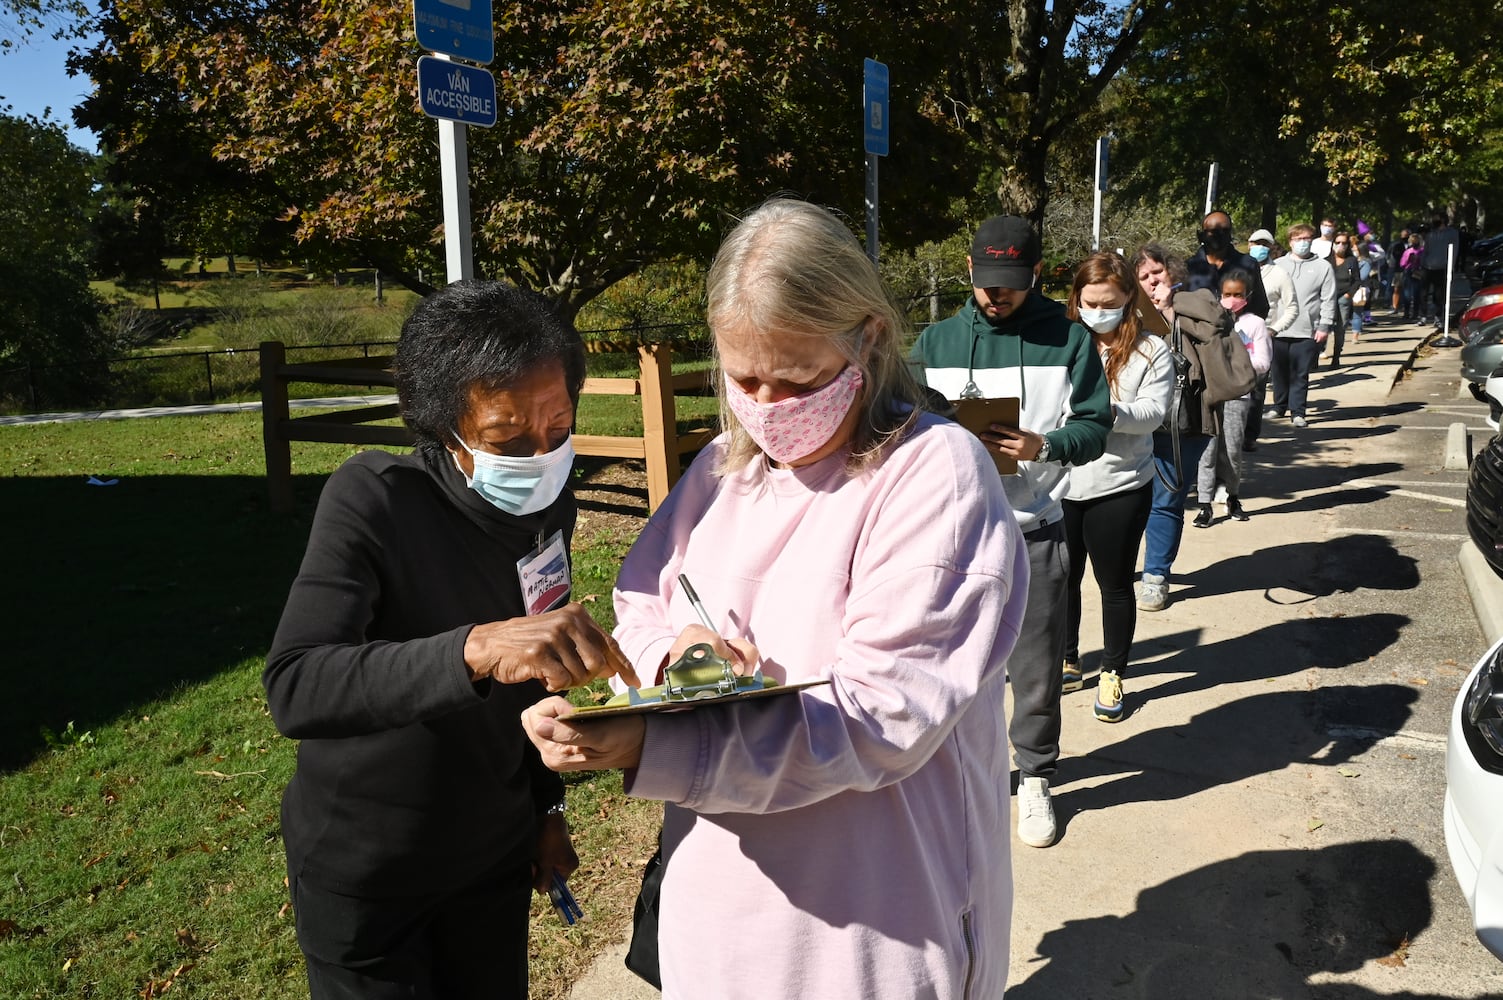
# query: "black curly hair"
(476, 333)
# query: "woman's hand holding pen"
(741, 652)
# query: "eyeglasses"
(1341, 243)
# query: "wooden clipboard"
(977, 415)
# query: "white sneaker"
(1035, 813)
(1153, 593)
(1220, 496)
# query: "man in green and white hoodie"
(1010, 340)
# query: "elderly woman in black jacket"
(430, 610)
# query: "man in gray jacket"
(1297, 346)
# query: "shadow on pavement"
(1271, 731)
(1258, 926)
(1337, 565)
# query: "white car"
(1474, 796)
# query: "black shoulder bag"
(642, 954)
(1175, 419)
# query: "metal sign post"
(1445, 339)
(456, 94)
(1101, 151)
(875, 135)
(1211, 188)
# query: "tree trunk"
(156, 292)
(229, 260)
(1269, 219)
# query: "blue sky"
(33, 77)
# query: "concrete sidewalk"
(1210, 844)
(76, 416)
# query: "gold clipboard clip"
(699, 673)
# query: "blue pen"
(563, 900)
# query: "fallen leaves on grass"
(158, 987)
(10, 929)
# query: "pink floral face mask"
(800, 425)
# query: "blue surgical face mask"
(1258, 252)
(1301, 248)
(519, 485)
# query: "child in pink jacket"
(1224, 462)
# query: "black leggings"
(1109, 530)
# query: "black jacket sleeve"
(327, 675)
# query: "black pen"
(704, 616)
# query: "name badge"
(544, 575)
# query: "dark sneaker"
(1203, 519)
(1234, 508)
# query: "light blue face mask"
(1301, 248)
(1258, 252)
(519, 485)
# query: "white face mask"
(1102, 320)
(1326, 231)
(519, 485)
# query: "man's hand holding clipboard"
(995, 422)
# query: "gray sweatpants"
(1033, 669)
(1224, 462)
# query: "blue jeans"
(1166, 518)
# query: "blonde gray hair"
(794, 268)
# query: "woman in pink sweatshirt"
(851, 839)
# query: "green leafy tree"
(1379, 104)
(48, 315)
(628, 132)
(1026, 75)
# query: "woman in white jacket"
(1106, 508)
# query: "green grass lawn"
(140, 775)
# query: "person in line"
(420, 817)
(1348, 279)
(1297, 346)
(1224, 461)
(1197, 316)
(1011, 340)
(1320, 245)
(1217, 254)
(1106, 507)
(1442, 259)
(1396, 274)
(1413, 265)
(834, 531)
(1282, 308)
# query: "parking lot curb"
(1485, 589)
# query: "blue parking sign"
(456, 91)
(874, 97)
(460, 28)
